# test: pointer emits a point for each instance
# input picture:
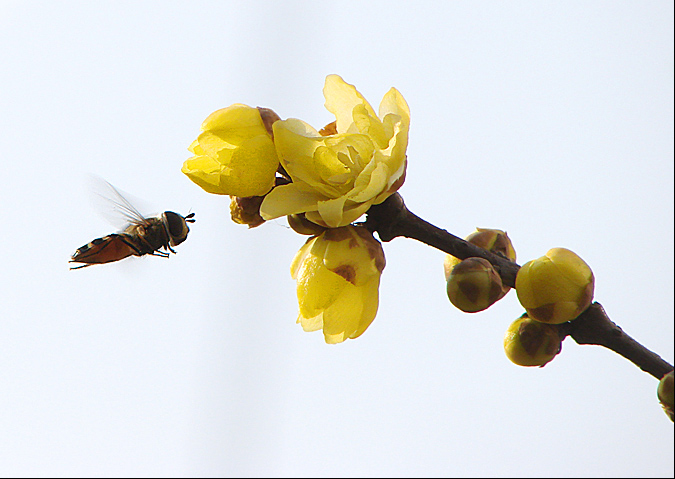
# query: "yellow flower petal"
(370, 182)
(341, 99)
(343, 316)
(195, 148)
(300, 256)
(352, 313)
(287, 200)
(370, 294)
(318, 287)
(311, 324)
(370, 125)
(331, 211)
(394, 104)
(204, 171)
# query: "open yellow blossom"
(555, 288)
(343, 170)
(338, 275)
(234, 154)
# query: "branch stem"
(391, 219)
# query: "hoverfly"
(140, 237)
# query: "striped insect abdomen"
(107, 249)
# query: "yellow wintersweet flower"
(555, 288)
(234, 154)
(352, 164)
(338, 275)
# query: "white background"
(551, 120)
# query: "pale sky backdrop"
(550, 120)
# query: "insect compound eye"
(178, 229)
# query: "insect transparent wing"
(114, 205)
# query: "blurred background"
(550, 120)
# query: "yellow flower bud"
(234, 154)
(338, 275)
(246, 210)
(474, 285)
(495, 241)
(531, 343)
(665, 394)
(555, 288)
(338, 173)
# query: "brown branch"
(392, 219)
(593, 326)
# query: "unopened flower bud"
(303, 226)
(246, 210)
(665, 394)
(531, 343)
(474, 285)
(555, 288)
(495, 241)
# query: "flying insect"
(141, 236)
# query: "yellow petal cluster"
(555, 288)
(234, 154)
(338, 275)
(340, 172)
